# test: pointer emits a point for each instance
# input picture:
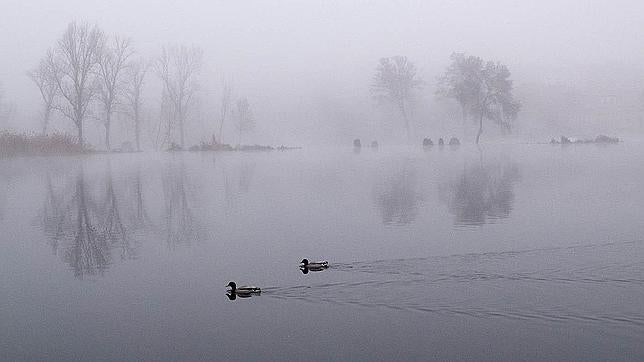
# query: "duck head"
(232, 286)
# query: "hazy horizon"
(296, 60)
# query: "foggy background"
(306, 67)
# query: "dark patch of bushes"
(31, 144)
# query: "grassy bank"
(14, 144)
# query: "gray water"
(520, 252)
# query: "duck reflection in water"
(233, 295)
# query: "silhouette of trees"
(481, 88)
(134, 96)
(43, 77)
(243, 115)
(177, 67)
(394, 82)
(74, 61)
(461, 82)
(112, 62)
(225, 108)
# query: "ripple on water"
(551, 285)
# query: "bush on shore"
(31, 144)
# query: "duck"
(314, 265)
(243, 290)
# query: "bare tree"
(111, 64)
(495, 100)
(164, 125)
(133, 94)
(244, 117)
(177, 67)
(394, 82)
(75, 61)
(44, 77)
(226, 102)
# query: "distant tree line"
(88, 74)
(483, 89)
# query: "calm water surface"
(522, 252)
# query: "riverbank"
(15, 144)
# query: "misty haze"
(321, 180)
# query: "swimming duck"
(243, 290)
(314, 265)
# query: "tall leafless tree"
(75, 61)
(394, 82)
(112, 62)
(177, 66)
(44, 77)
(244, 117)
(134, 96)
(226, 103)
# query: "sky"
(286, 54)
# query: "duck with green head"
(243, 290)
(314, 265)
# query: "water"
(520, 252)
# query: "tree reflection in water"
(482, 193)
(112, 224)
(237, 181)
(83, 230)
(399, 197)
(179, 220)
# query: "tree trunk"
(80, 137)
(137, 132)
(402, 110)
(107, 136)
(464, 116)
(221, 130)
(478, 134)
(181, 134)
(45, 121)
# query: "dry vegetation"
(31, 144)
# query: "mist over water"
(448, 242)
(463, 178)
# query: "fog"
(321, 180)
(307, 67)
